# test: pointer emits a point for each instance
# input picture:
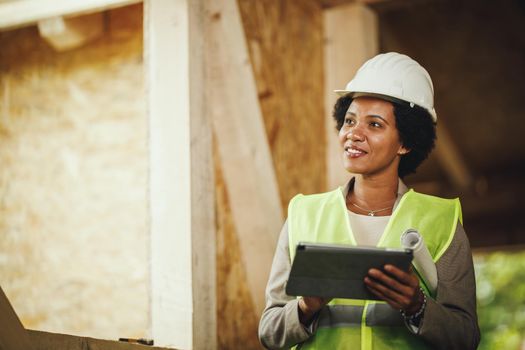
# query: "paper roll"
(423, 262)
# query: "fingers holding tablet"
(400, 289)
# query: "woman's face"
(369, 138)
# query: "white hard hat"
(394, 75)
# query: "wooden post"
(243, 147)
(183, 310)
(351, 36)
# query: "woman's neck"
(373, 193)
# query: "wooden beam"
(54, 341)
(19, 13)
(70, 33)
(334, 3)
(181, 177)
(13, 335)
(373, 2)
(351, 37)
(379, 5)
(243, 147)
(451, 160)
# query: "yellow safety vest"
(368, 324)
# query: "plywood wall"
(73, 181)
(236, 320)
(73, 175)
(285, 43)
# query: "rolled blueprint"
(423, 262)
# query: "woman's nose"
(355, 134)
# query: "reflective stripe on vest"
(378, 314)
(340, 315)
(323, 218)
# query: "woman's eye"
(349, 121)
(375, 124)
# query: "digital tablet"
(338, 271)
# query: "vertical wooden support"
(183, 310)
(351, 37)
(243, 147)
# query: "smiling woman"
(386, 122)
(369, 137)
(416, 131)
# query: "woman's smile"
(354, 152)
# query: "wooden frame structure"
(243, 147)
(200, 82)
(181, 168)
(181, 177)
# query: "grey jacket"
(449, 322)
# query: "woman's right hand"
(308, 306)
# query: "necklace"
(371, 212)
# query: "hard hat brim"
(355, 94)
(392, 99)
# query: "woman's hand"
(308, 306)
(397, 287)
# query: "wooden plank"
(181, 177)
(243, 147)
(19, 13)
(351, 37)
(203, 232)
(333, 3)
(70, 33)
(287, 59)
(53, 341)
(373, 2)
(13, 335)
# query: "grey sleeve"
(450, 321)
(279, 327)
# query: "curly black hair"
(417, 131)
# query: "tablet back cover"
(337, 271)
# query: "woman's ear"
(402, 151)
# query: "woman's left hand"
(398, 288)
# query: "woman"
(386, 124)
